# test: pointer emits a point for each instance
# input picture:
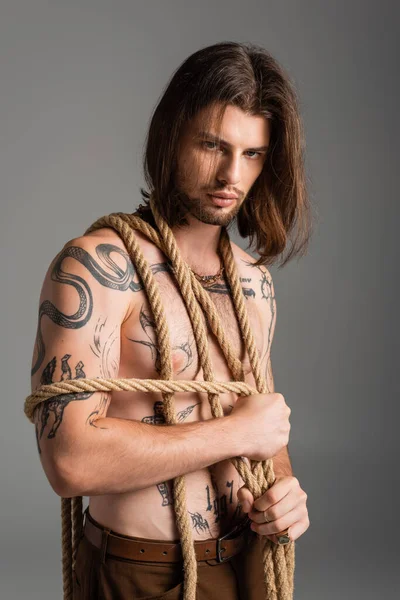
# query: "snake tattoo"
(115, 278)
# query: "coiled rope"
(279, 560)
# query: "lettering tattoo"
(57, 404)
(216, 288)
(116, 279)
(148, 325)
(158, 419)
(219, 504)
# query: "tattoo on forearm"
(118, 279)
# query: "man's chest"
(140, 349)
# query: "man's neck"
(198, 244)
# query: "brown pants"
(239, 578)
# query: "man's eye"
(210, 145)
(254, 153)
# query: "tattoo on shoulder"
(114, 277)
(268, 294)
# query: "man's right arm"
(85, 298)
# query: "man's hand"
(284, 505)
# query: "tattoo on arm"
(98, 412)
(103, 349)
(57, 404)
(117, 279)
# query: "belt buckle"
(219, 557)
(231, 534)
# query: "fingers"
(285, 522)
(246, 499)
(276, 511)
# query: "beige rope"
(278, 560)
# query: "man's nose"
(229, 170)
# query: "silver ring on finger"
(265, 517)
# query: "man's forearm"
(281, 463)
(118, 455)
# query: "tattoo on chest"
(148, 325)
(222, 288)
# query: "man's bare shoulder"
(258, 276)
(110, 236)
(244, 260)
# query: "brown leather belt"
(121, 546)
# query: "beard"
(205, 212)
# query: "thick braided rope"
(279, 558)
(163, 342)
(202, 296)
(280, 564)
(172, 252)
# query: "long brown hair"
(276, 208)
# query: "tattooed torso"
(211, 492)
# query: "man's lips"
(226, 195)
(222, 200)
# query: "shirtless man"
(95, 321)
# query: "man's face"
(211, 167)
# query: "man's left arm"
(283, 506)
(281, 461)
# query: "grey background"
(78, 83)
